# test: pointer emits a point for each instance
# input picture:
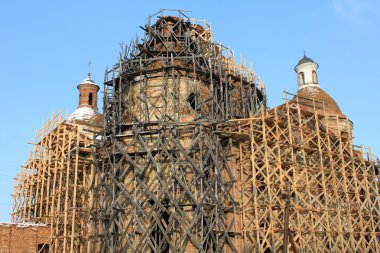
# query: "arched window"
(90, 99)
(301, 79)
(315, 78)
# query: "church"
(186, 156)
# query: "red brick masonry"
(24, 238)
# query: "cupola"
(88, 93)
(307, 72)
(88, 100)
(308, 86)
(311, 96)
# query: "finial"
(89, 69)
(304, 53)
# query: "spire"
(88, 79)
(89, 70)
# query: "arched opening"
(315, 78)
(90, 99)
(301, 79)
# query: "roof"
(305, 59)
(84, 113)
(88, 80)
(306, 96)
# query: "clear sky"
(45, 47)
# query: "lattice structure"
(189, 159)
(304, 186)
(52, 187)
(166, 183)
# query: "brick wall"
(23, 238)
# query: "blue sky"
(45, 47)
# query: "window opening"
(192, 100)
(301, 78)
(315, 78)
(90, 99)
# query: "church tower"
(307, 73)
(310, 95)
(88, 101)
(88, 93)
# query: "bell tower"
(306, 70)
(88, 93)
(88, 101)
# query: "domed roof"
(305, 59)
(307, 94)
(85, 113)
(88, 80)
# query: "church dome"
(305, 59)
(88, 80)
(306, 95)
(85, 113)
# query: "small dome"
(88, 80)
(304, 59)
(84, 113)
(307, 94)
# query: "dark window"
(90, 99)
(192, 100)
(160, 243)
(43, 248)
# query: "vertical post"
(286, 218)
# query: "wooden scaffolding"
(166, 183)
(304, 186)
(190, 159)
(53, 185)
